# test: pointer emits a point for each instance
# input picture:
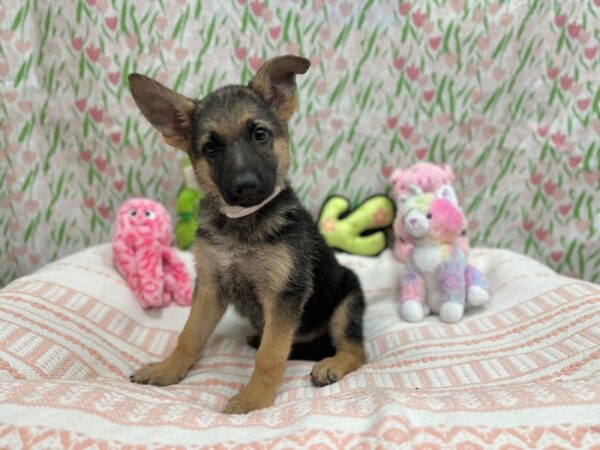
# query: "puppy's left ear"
(275, 81)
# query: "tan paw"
(159, 374)
(247, 401)
(326, 371)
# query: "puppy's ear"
(167, 111)
(275, 81)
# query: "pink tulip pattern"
(505, 92)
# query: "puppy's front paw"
(248, 400)
(159, 374)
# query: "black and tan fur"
(273, 266)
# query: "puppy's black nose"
(245, 187)
(245, 183)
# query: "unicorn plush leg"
(413, 297)
(477, 290)
(452, 279)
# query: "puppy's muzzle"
(247, 189)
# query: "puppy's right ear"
(167, 111)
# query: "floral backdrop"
(506, 92)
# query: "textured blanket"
(523, 371)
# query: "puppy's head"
(237, 136)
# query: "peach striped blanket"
(523, 372)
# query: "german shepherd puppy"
(256, 247)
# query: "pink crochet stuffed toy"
(142, 252)
(428, 178)
(438, 277)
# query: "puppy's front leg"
(207, 309)
(271, 357)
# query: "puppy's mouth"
(247, 189)
(248, 200)
(248, 206)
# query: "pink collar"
(237, 212)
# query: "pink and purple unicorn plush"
(142, 252)
(438, 277)
(427, 177)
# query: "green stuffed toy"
(187, 209)
(360, 231)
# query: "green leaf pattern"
(506, 92)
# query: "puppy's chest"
(244, 264)
(238, 285)
(252, 275)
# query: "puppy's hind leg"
(345, 328)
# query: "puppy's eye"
(133, 213)
(261, 134)
(210, 148)
(429, 216)
(149, 214)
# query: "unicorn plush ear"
(415, 190)
(447, 193)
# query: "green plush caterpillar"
(356, 232)
(187, 209)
